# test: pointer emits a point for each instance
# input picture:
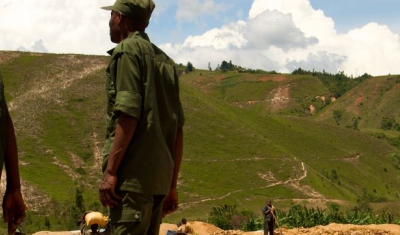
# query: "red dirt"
(276, 78)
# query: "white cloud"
(373, 49)
(320, 61)
(62, 26)
(277, 29)
(229, 36)
(284, 35)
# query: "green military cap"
(138, 10)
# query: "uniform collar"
(134, 34)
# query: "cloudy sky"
(354, 36)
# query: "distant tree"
(47, 222)
(190, 67)
(77, 210)
(300, 71)
(337, 115)
(388, 123)
(209, 66)
(338, 84)
(395, 156)
(355, 123)
(224, 66)
(334, 175)
(80, 204)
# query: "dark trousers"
(268, 227)
(138, 214)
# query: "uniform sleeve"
(128, 86)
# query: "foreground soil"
(331, 229)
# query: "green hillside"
(263, 93)
(371, 107)
(248, 137)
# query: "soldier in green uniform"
(144, 138)
(13, 204)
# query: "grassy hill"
(369, 104)
(263, 93)
(248, 137)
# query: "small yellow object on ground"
(96, 218)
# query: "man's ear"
(119, 19)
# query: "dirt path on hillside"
(202, 228)
(299, 173)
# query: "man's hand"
(108, 197)
(170, 203)
(13, 209)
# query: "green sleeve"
(129, 86)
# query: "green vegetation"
(390, 123)
(338, 84)
(229, 66)
(185, 69)
(248, 136)
(395, 156)
(230, 217)
(337, 114)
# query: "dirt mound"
(199, 227)
(332, 229)
(202, 228)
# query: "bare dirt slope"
(202, 228)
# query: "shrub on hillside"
(228, 217)
(395, 156)
(388, 123)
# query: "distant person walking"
(144, 136)
(13, 204)
(269, 218)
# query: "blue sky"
(353, 36)
(357, 13)
(347, 14)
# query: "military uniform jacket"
(142, 82)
